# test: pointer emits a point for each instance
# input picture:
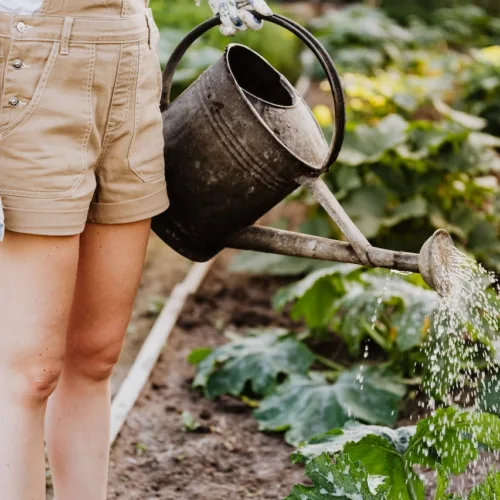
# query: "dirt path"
(154, 457)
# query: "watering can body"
(235, 142)
(238, 141)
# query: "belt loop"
(66, 33)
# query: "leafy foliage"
(333, 441)
(414, 177)
(256, 360)
(446, 441)
(176, 17)
(490, 488)
(344, 479)
(346, 301)
(306, 406)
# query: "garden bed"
(227, 457)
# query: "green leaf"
(333, 442)
(488, 397)
(442, 486)
(365, 144)
(314, 295)
(188, 422)
(198, 355)
(307, 406)
(345, 479)
(451, 438)
(257, 360)
(366, 207)
(409, 306)
(417, 207)
(490, 488)
(466, 120)
(380, 458)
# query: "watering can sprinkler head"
(434, 261)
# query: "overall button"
(17, 63)
(21, 27)
(13, 101)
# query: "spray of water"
(461, 350)
(464, 330)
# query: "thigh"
(109, 272)
(37, 283)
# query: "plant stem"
(409, 482)
(376, 337)
(329, 363)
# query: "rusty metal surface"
(269, 240)
(435, 261)
(225, 167)
(334, 209)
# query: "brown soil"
(228, 457)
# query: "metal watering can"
(238, 141)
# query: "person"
(81, 175)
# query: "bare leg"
(37, 279)
(77, 427)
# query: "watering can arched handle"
(309, 40)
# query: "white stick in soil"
(148, 355)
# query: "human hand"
(235, 15)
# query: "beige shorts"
(80, 125)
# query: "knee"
(94, 362)
(39, 381)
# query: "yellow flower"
(378, 101)
(324, 86)
(323, 115)
(356, 104)
(491, 55)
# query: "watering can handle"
(309, 40)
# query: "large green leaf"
(446, 441)
(380, 458)
(451, 438)
(345, 479)
(314, 296)
(257, 360)
(380, 449)
(366, 207)
(416, 207)
(333, 441)
(365, 144)
(307, 406)
(399, 308)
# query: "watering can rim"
(312, 44)
(293, 94)
(297, 98)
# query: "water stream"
(462, 348)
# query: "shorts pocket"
(145, 155)
(44, 136)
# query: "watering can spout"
(433, 261)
